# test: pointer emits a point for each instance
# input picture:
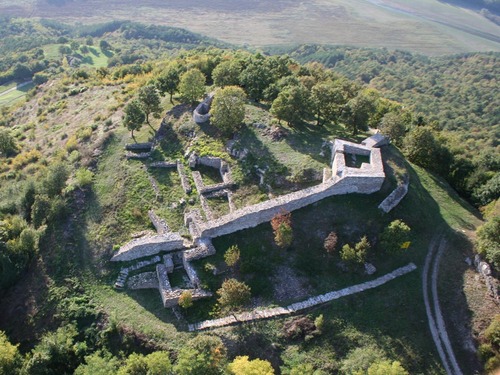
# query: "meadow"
(427, 26)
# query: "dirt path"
(432, 308)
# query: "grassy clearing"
(95, 57)
(11, 97)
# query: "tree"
(256, 78)
(241, 365)
(227, 73)
(355, 256)
(98, 363)
(64, 50)
(103, 45)
(233, 294)
(393, 126)
(292, 104)
(55, 179)
(386, 367)
(394, 236)
(10, 359)
(158, 363)
(8, 146)
(232, 256)
(134, 117)
(134, 365)
(192, 85)
(203, 355)
(168, 81)
(228, 109)
(326, 101)
(40, 210)
(282, 228)
(186, 299)
(55, 354)
(423, 148)
(330, 243)
(358, 110)
(488, 241)
(149, 101)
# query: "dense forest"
(454, 94)
(69, 198)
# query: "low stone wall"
(139, 146)
(145, 280)
(160, 224)
(215, 187)
(259, 213)
(394, 198)
(141, 155)
(184, 180)
(147, 246)
(210, 161)
(163, 164)
(299, 306)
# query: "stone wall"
(139, 146)
(254, 215)
(184, 180)
(160, 224)
(300, 306)
(149, 245)
(394, 198)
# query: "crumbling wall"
(149, 245)
(394, 198)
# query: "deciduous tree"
(393, 125)
(8, 146)
(233, 294)
(358, 110)
(292, 104)
(488, 241)
(186, 299)
(149, 101)
(227, 73)
(241, 365)
(134, 116)
(232, 256)
(203, 355)
(168, 81)
(330, 243)
(192, 85)
(228, 109)
(282, 228)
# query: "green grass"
(96, 57)
(15, 95)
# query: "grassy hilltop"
(69, 198)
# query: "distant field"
(10, 97)
(426, 26)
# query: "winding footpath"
(434, 315)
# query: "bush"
(394, 236)
(330, 243)
(233, 294)
(83, 177)
(186, 299)
(10, 358)
(355, 256)
(8, 146)
(488, 241)
(232, 256)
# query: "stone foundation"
(147, 246)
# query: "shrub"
(84, 177)
(282, 228)
(186, 299)
(330, 243)
(233, 294)
(232, 256)
(394, 236)
(8, 146)
(241, 365)
(355, 256)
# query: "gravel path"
(434, 314)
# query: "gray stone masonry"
(365, 180)
(122, 277)
(163, 283)
(145, 280)
(184, 180)
(394, 198)
(168, 262)
(201, 113)
(260, 313)
(206, 208)
(163, 164)
(139, 146)
(160, 224)
(149, 245)
(141, 155)
(377, 140)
